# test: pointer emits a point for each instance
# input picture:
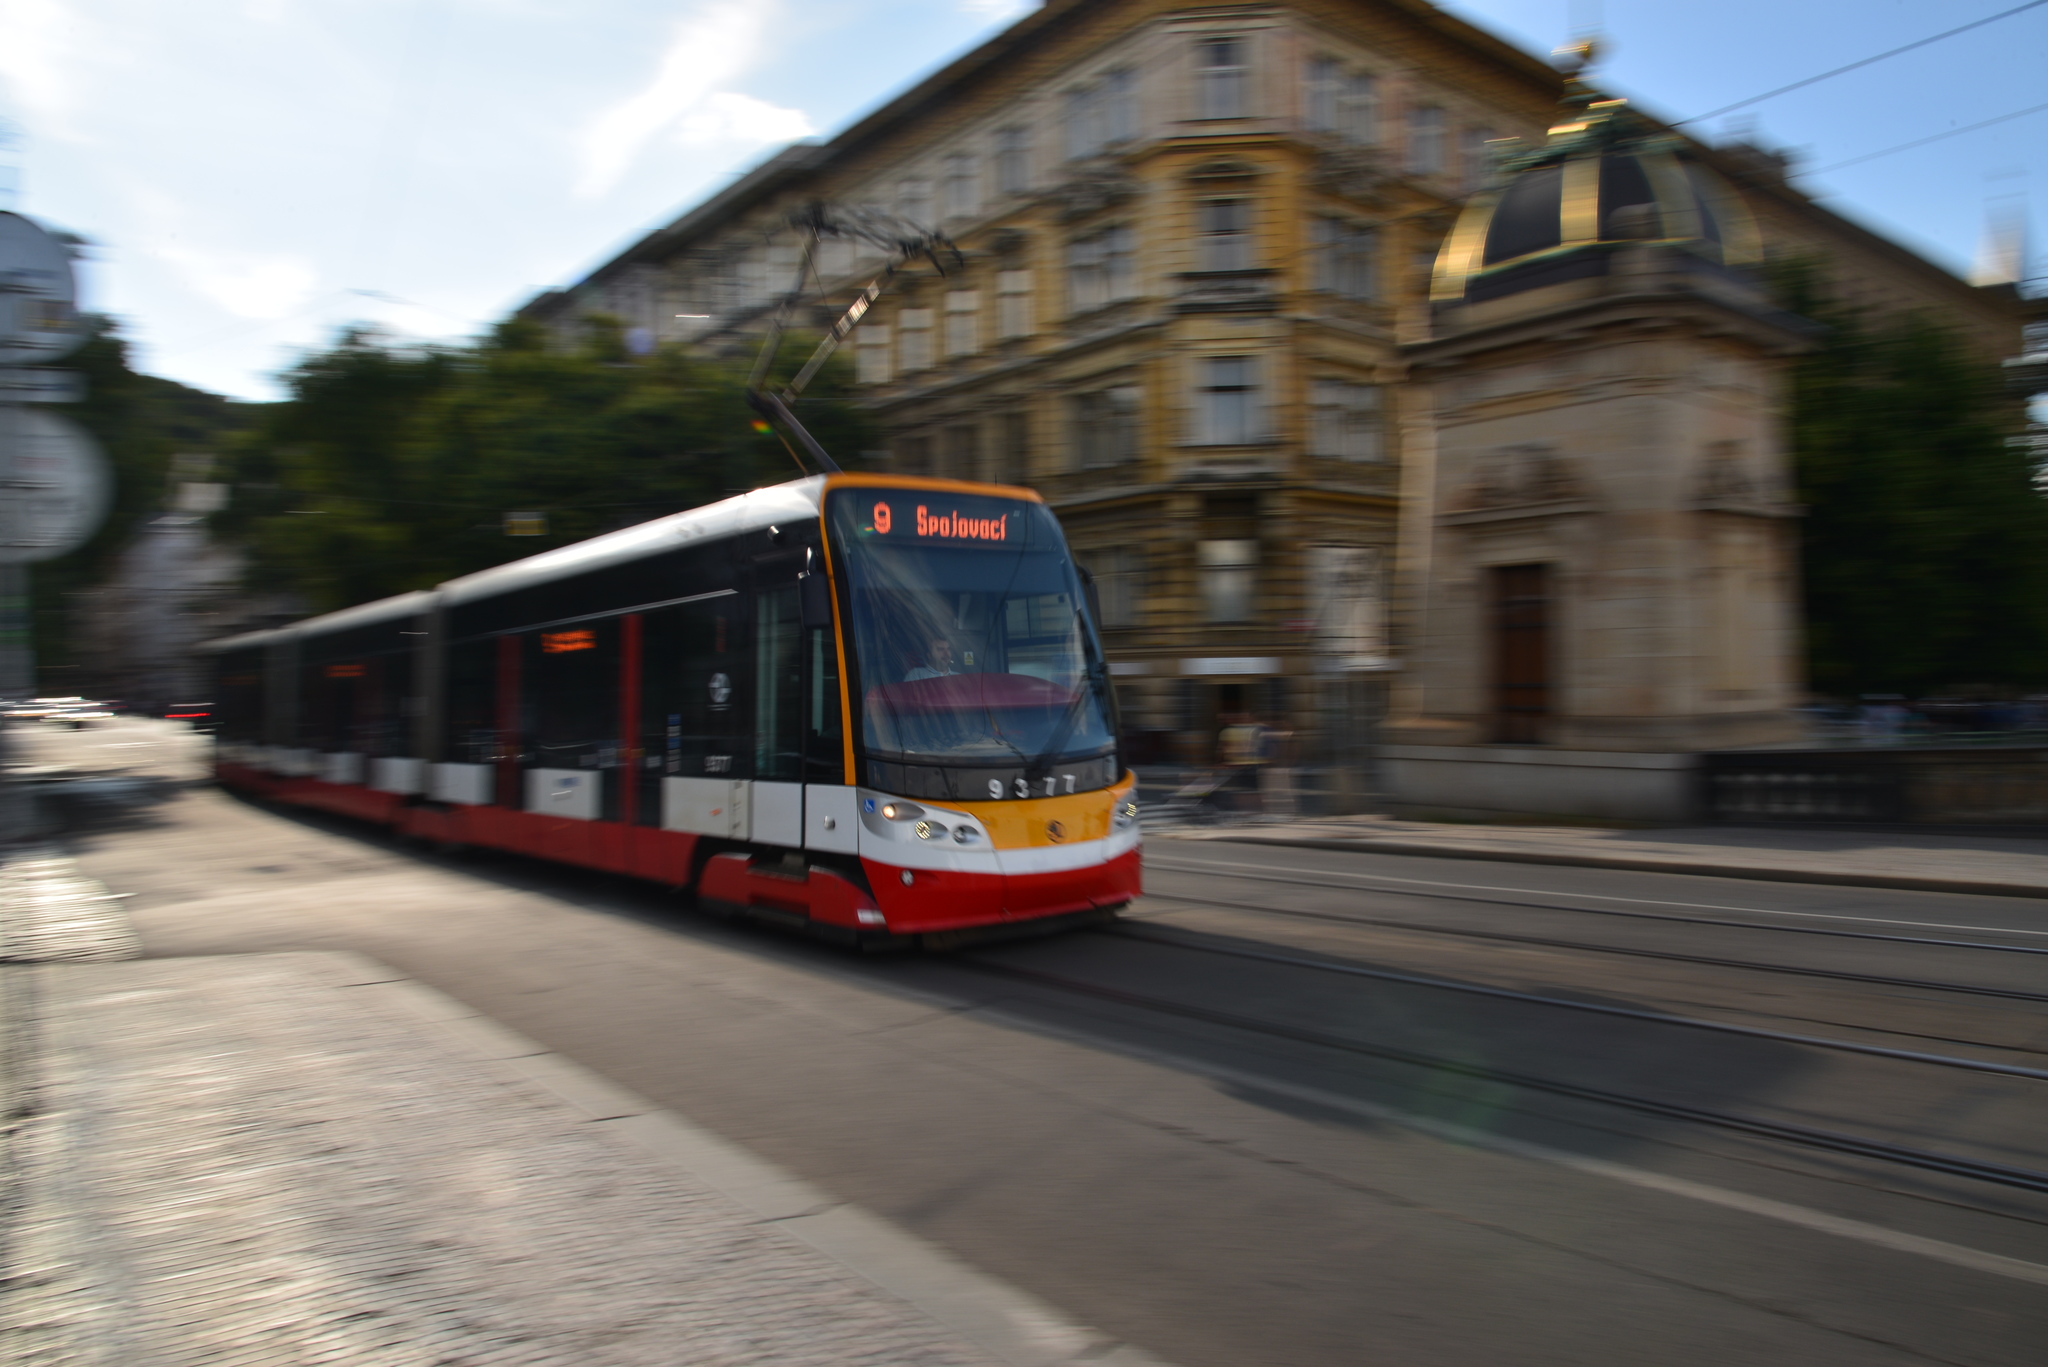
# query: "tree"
(391, 468)
(140, 422)
(1925, 548)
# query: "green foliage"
(140, 421)
(1925, 549)
(392, 468)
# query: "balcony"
(1252, 291)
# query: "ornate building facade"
(1198, 245)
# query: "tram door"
(797, 726)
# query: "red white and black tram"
(873, 706)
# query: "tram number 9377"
(1022, 787)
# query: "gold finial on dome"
(1579, 55)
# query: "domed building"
(1606, 562)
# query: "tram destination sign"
(931, 517)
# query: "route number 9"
(882, 518)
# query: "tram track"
(1336, 966)
(1929, 1160)
(1507, 937)
(1410, 887)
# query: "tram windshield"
(973, 645)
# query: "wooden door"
(1521, 653)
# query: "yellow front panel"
(1023, 824)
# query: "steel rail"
(1336, 918)
(1262, 877)
(1596, 1008)
(1956, 1165)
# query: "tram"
(870, 706)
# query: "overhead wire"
(1866, 61)
(1937, 137)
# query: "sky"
(255, 174)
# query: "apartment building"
(1196, 240)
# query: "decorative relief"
(1358, 174)
(1725, 477)
(1093, 187)
(1518, 476)
(1728, 481)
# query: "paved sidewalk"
(1930, 861)
(302, 1158)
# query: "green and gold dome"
(1605, 178)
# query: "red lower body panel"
(954, 901)
(930, 901)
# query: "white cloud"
(259, 287)
(997, 9)
(717, 45)
(33, 58)
(728, 117)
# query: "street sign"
(54, 487)
(38, 314)
(37, 385)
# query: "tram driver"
(938, 661)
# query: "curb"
(1752, 872)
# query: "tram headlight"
(901, 811)
(1126, 816)
(965, 835)
(929, 830)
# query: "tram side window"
(472, 735)
(238, 696)
(824, 733)
(693, 700)
(385, 725)
(569, 695)
(327, 702)
(778, 682)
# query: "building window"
(1358, 110)
(914, 201)
(1219, 77)
(1344, 420)
(1120, 105)
(1083, 110)
(1015, 449)
(1119, 584)
(914, 345)
(1101, 269)
(1225, 229)
(1013, 304)
(1106, 427)
(1343, 258)
(1321, 83)
(1426, 140)
(1102, 114)
(963, 322)
(962, 186)
(962, 449)
(1013, 161)
(917, 455)
(1229, 579)
(1228, 401)
(835, 257)
(871, 354)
